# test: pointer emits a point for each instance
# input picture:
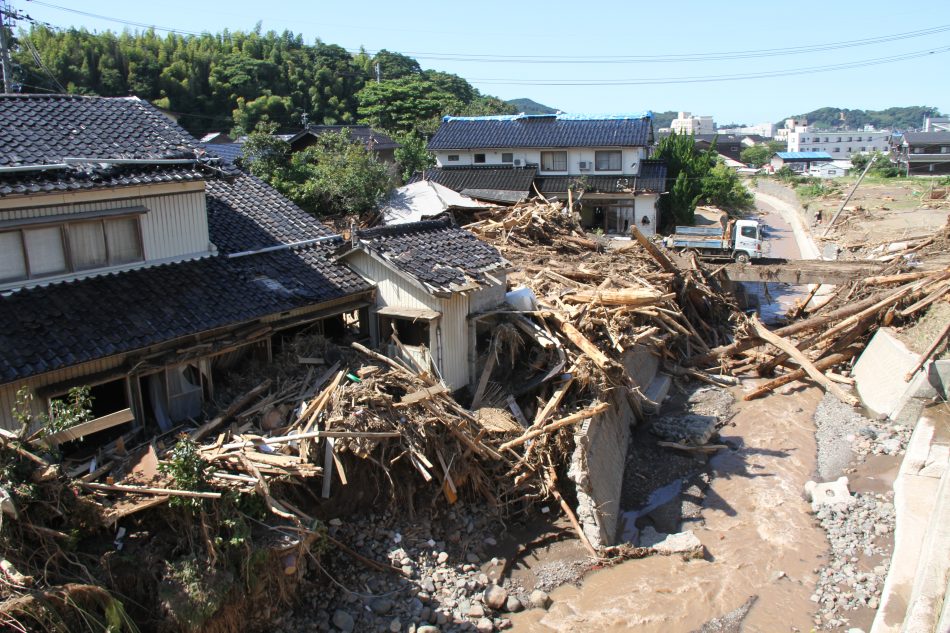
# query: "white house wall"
(175, 225)
(646, 206)
(393, 289)
(630, 163)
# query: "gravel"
(843, 435)
(860, 535)
(447, 584)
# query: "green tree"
(722, 188)
(757, 155)
(412, 155)
(404, 105)
(334, 176)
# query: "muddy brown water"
(759, 535)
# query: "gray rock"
(496, 597)
(381, 606)
(395, 626)
(428, 585)
(513, 605)
(484, 625)
(427, 628)
(539, 599)
(442, 558)
(475, 611)
(343, 620)
(472, 558)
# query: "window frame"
(553, 154)
(610, 153)
(479, 158)
(62, 223)
(508, 157)
(452, 158)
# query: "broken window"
(554, 161)
(414, 332)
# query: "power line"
(556, 59)
(710, 78)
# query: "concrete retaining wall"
(879, 378)
(597, 469)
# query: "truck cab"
(747, 241)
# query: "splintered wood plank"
(90, 427)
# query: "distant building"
(766, 130)
(828, 170)
(923, 153)
(686, 123)
(728, 145)
(937, 124)
(505, 158)
(840, 144)
(799, 161)
(382, 146)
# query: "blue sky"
(519, 49)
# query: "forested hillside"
(236, 79)
(905, 118)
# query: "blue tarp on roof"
(804, 155)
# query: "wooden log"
(150, 491)
(545, 412)
(803, 360)
(422, 394)
(930, 350)
(884, 280)
(574, 418)
(926, 301)
(90, 427)
(631, 297)
(483, 381)
(798, 374)
(239, 403)
(654, 252)
(581, 342)
(283, 439)
(552, 488)
(806, 325)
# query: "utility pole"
(5, 51)
(378, 73)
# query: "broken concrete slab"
(829, 494)
(685, 543)
(691, 429)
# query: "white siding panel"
(395, 290)
(8, 391)
(175, 225)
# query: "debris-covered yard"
(361, 492)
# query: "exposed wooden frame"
(90, 427)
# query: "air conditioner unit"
(517, 162)
(584, 165)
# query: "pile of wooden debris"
(823, 345)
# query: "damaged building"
(134, 264)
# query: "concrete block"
(937, 460)
(879, 373)
(832, 494)
(642, 364)
(690, 429)
(684, 543)
(657, 392)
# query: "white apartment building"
(840, 144)
(686, 123)
(761, 129)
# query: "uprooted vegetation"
(211, 527)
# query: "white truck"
(722, 238)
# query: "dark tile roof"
(443, 258)
(540, 131)
(652, 178)
(228, 151)
(926, 138)
(517, 179)
(51, 129)
(97, 177)
(246, 214)
(62, 324)
(44, 129)
(369, 137)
